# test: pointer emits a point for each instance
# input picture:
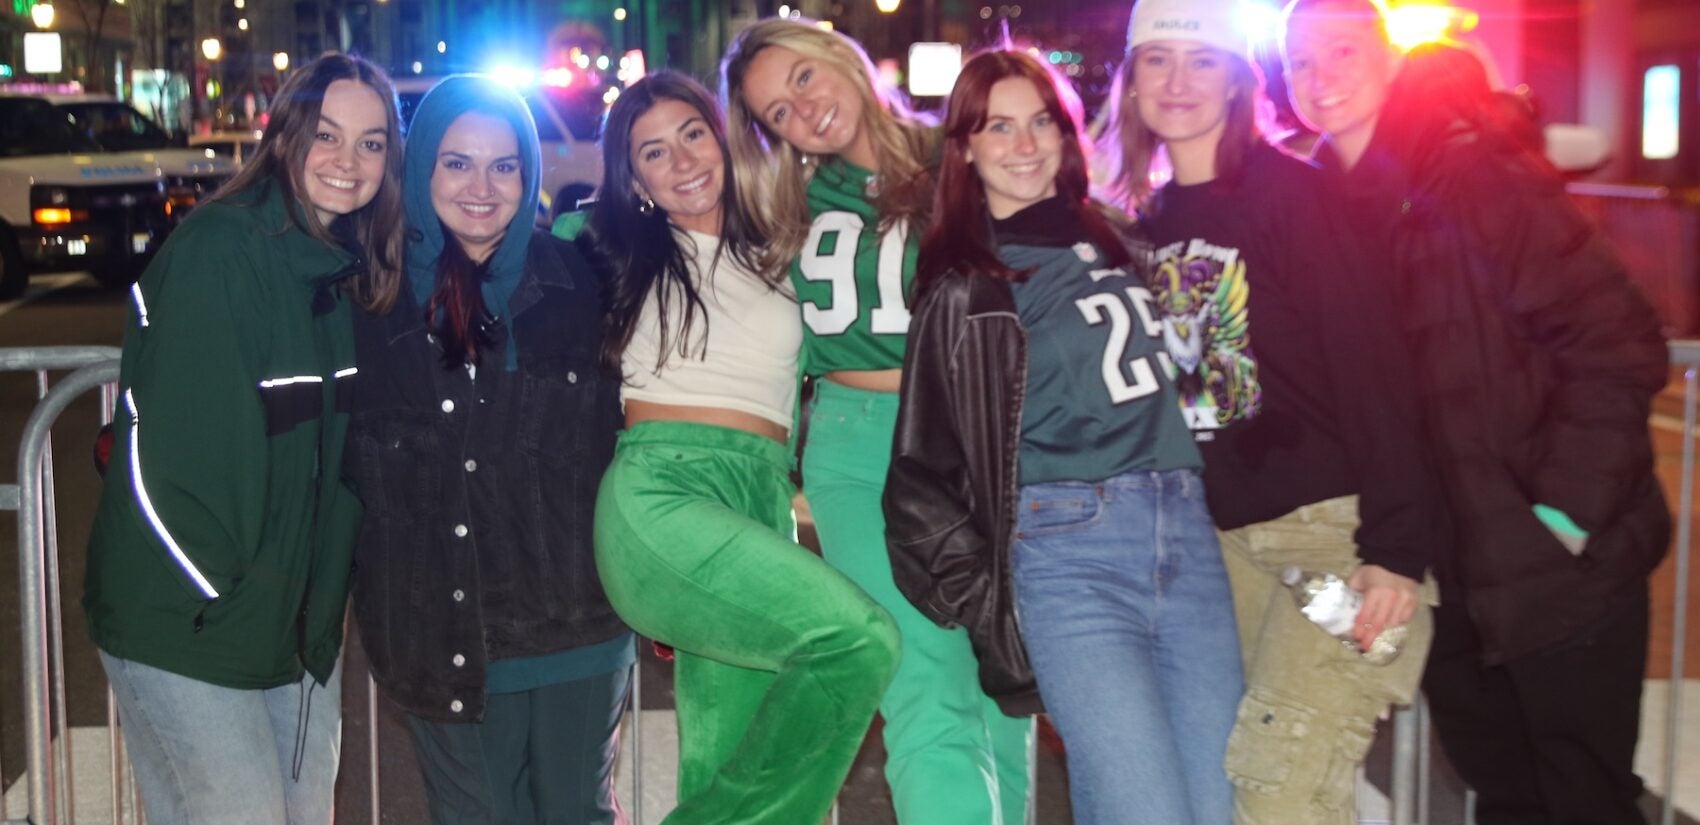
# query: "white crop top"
(750, 364)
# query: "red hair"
(959, 237)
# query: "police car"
(191, 173)
(65, 204)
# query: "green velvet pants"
(781, 659)
(952, 757)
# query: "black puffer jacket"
(950, 494)
(1537, 361)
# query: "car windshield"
(34, 127)
(116, 126)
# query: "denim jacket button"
(471, 466)
(458, 595)
(448, 406)
(460, 531)
(459, 660)
(455, 706)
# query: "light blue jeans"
(210, 755)
(1129, 624)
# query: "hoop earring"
(646, 207)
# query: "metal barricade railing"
(47, 735)
(47, 742)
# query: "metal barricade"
(47, 742)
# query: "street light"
(280, 61)
(211, 48)
(42, 14)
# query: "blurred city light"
(417, 67)
(42, 15)
(611, 95)
(43, 53)
(442, 47)
(933, 68)
(280, 61)
(784, 11)
(211, 48)
(890, 73)
(886, 6)
(602, 62)
(620, 13)
(632, 67)
(560, 77)
(1412, 24)
(1261, 20)
(1661, 91)
(242, 24)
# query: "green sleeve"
(192, 428)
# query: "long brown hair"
(773, 175)
(641, 251)
(281, 161)
(1130, 148)
(960, 236)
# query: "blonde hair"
(772, 175)
(1130, 149)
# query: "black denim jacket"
(479, 491)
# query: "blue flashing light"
(515, 76)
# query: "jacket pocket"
(563, 400)
(394, 458)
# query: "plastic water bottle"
(1333, 605)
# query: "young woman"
(1537, 400)
(781, 659)
(481, 426)
(1034, 399)
(837, 172)
(1288, 361)
(218, 563)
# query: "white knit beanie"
(1216, 23)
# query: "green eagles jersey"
(852, 281)
(1100, 396)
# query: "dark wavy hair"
(960, 235)
(281, 161)
(641, 253)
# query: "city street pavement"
(78, 313)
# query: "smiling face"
(1182, 89)
(679, 165)
(1339, 68)
(345, 165)
(477, 184)
(809, 104)
(1019, 150)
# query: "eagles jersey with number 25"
(851, 280)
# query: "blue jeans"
(210, 755)
(1129, 624)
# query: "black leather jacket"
(951, 492)
(476, 543)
